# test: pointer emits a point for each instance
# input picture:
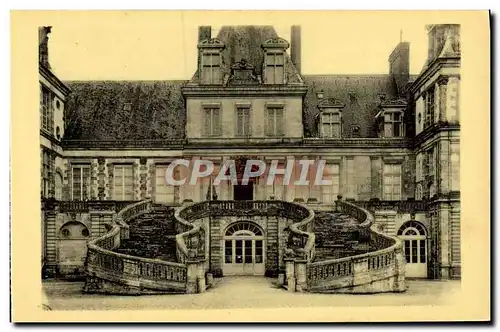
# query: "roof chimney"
(295, 51)
(204, 32)
(437, 37)
(43, 45)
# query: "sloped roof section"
(120, 110)
(244, 43)
(361, 95)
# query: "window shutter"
(279, 122)
(269, 122)
(216, 122)
(207, 123)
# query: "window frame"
(274, 65)
(123, 184)
(214, 127)
(46, 109)
(393, 124)
(87, 191)
(430, 107)
(208, 66)
(277, 122)
(392, 174)
(246, 122)
(170, 190)
(334, 185)
(331, 123)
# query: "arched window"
(244, 228)
(414, 237)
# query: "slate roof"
(360, 95)
(120, 110)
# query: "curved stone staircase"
(153, 249)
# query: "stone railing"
(190, 238)
(133, 274)
(85, 206)
(381, 270)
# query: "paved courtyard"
(243, 292)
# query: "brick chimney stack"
(43, 45)
(204, 32)
(295, 48)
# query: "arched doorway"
(414, 237)
(244, 252)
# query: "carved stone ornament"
(211, 43)
(330, 103)
(276, 43)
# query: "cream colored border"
(472, 303)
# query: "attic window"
(331, 123)
(391, 124)
(210, 64)
(275, 68)
(127, 106)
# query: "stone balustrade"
(379, 271)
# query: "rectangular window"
(164, 193)
(228, 250)
(329, 193)
(123, 183)
(392, 182)
(212, 122)
(243, 122)
(393, 124)
(45, 174)
(274, 122)
(331, 125)
(45, 109)
(211, 68)
(430, 105)
(275, 68)
(80, 182)
(258, 252)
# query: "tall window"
(430, 167)
(211, 68)
(123, 183)
(80, 182)
(45, 174)
(58, 186)
(274, 122)
(329, 193)
(164, 193)
(275, 68)
(392, 182)
(430, 105)
(331, 125)
(212, 122)
(242, 122)
(393, 124)
(45, 109)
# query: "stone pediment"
(394, 103)
(211, 43)
(276, 43)
(331, 103)
(243, 73)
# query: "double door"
(244, 256)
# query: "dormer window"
(275, 70)
(390, 119)
(210, 64)
(331, 124)
(274, 60)
(330, 117)
(210, 61)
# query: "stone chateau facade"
(391, 143)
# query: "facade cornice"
(49, 76)
(432, 69)
(261, 90)
(431, 131)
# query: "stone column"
(301, 275)
(444, 239)
(201, 282)
(290, 273)
(192, 276)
